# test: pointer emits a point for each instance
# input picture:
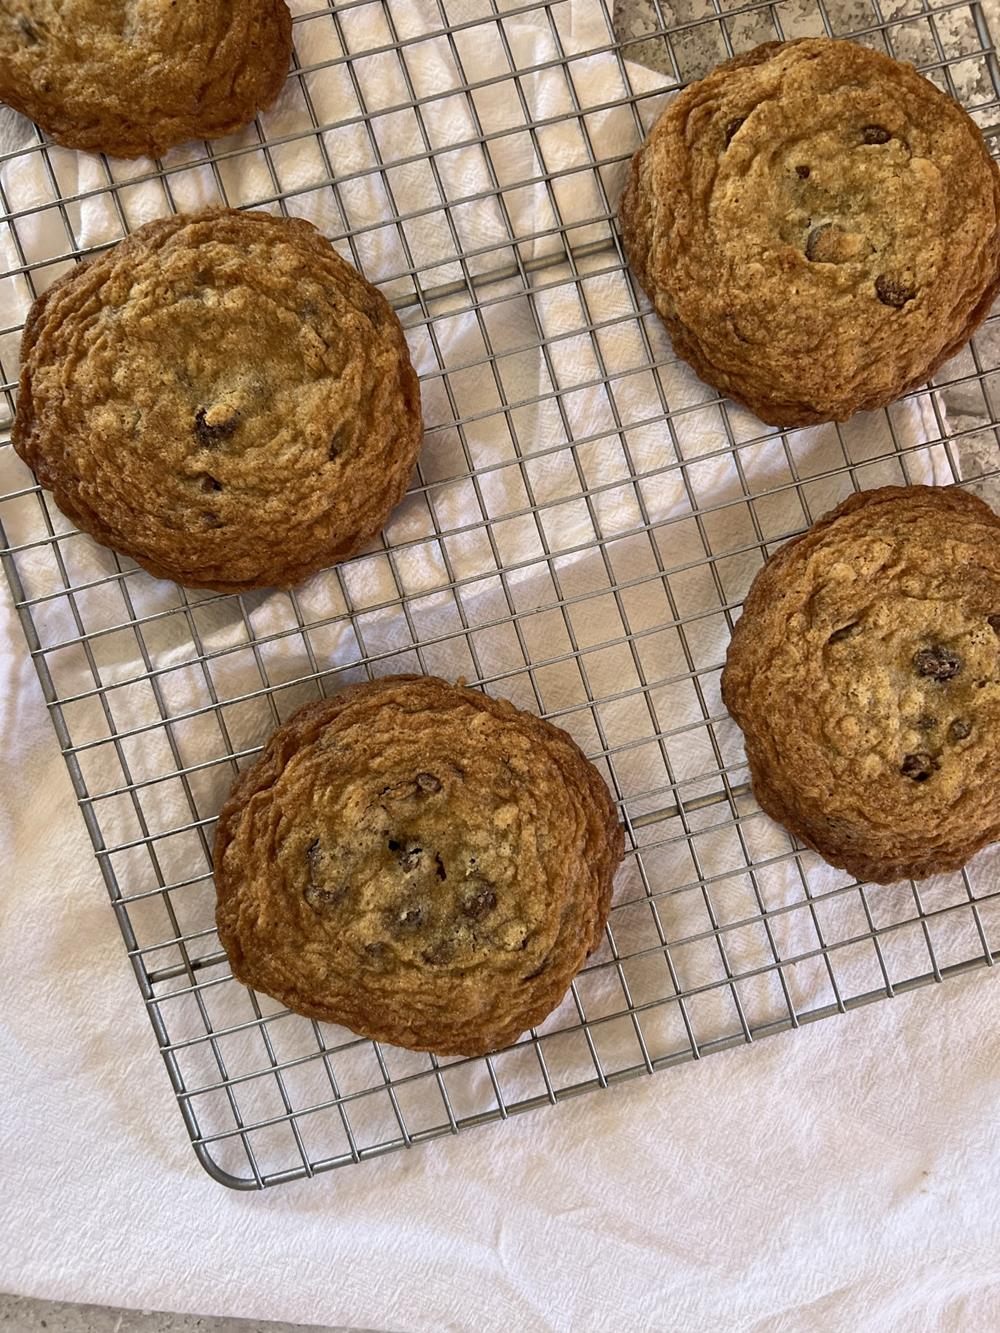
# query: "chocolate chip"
(338, 443)
(410, 859)
(209, 434)
(395, 846)
(732, 128)
(802, 172)
(937, 662)
(428, 782)
(28, 32)
(210, 483)
(959, 730)
(845, 632)
(322, 900)
(830, 244)
(210, 519)
(480, 903)
(376, 952)
(442, 874)
(440, 953)
(994, 623)
(316, 896)
(892, 293)
(408, 919)
(875, 134)
(919, 767)
(814, 242)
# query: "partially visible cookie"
(818, 227)
(222, 398)
(419, 862)
(128, 77)
(865, 675)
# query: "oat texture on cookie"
(418, 862)
(128, 77)
(817, 225)
(222, 398)
(865, 675)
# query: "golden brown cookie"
(865, 674)
(818, 227)
(128, 77)
(419, 862)
(222, 398)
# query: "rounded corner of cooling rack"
(241, 1184)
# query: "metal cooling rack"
(585, 522)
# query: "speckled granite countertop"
(18, 1315)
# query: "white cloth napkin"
(838, 1176)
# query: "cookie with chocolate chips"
(818, 227)
(419, 862)
(117, 77)
(865, 675)
(222, 398)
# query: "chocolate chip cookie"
(222, 398)
(818, 227)
(865, 674)
(128, 77)
(419, 862)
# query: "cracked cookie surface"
(419, 862)
(865, 675)
(222, 398)
(818, 227)
(128, 77)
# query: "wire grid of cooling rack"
(584, 524)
